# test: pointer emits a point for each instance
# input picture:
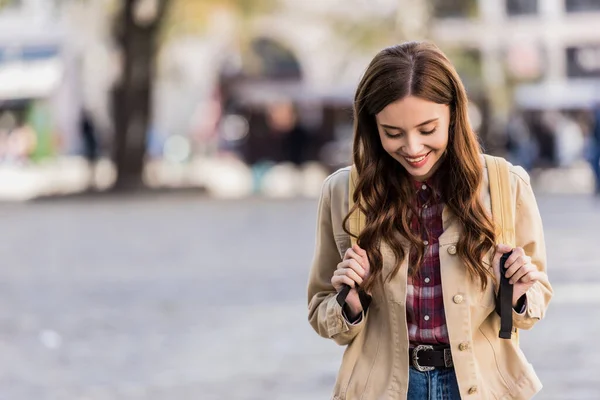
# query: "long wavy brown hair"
(384, 191)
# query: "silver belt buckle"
(415, 358)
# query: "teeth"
(416, 160)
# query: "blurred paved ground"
(183, 297)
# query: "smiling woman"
(414, 298)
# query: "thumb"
(500, 250)
(503, 248)
(358, 250)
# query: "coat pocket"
(482, 298)
(503, 365)
(393, 288)
(359, 362)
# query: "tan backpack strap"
(502, 214)
(501, 199)
(356, 221)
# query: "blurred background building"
(37, 83)
(256, 97)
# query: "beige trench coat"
(375, 364)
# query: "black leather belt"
(427, 358)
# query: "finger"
(500, 250)
(520, 273)
(338, 281)
(363, 254)
(359, 255)
(357, 258)
(532, 276)
(345, 269)
(356, 267)
(516, 253)
(346, 280)
(358, 250)
(503, 248)
(514, 267)
(352, 275)
(352, 254)
(349, 252)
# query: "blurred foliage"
(186, 17)
(455, 8)
(468, 64)
(7, 3)
(365, 34)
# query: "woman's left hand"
(518, 268)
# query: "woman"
(423, 257)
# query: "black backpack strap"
(503, 216)
(504, 306)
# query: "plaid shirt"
(424, 301)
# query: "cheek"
(440, 142)
(388, 145)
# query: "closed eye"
(428, 132)
(392, 135)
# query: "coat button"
(463, 346)
(452, 250)
(458, 298)
(473, 390)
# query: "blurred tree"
(139, 26)
(136, 28)
(139, 29)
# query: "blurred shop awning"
(30, 79)
(569, 94)
(260, 92)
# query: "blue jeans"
(439, 384)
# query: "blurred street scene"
(118, 282)
(247, 98)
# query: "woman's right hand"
(352, 271)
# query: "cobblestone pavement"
(184, 297)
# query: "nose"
(413, 146)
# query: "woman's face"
(415, 133)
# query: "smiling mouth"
(417, 159)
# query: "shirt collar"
(432, 184)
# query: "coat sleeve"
(530, 236)
(324, 313)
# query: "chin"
(420, 177)
(417, 175)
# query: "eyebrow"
(417, 126)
